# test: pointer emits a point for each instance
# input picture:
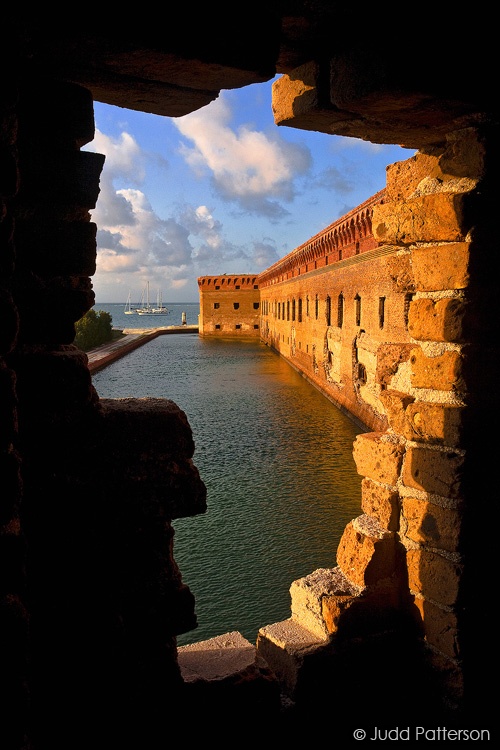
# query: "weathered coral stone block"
(389, 358)
(395, 405)
(440, 627)
(57, 247)
(366, 553)
(433, 576)
(400, 271)
(429, 218)
(308, 593)
(297, 98)
(434, 471)
(434, 423)
(380, 502)
(465, 155)
(441, 267)
(286, 647)
(377, 457)
(306, 605)
(403, 177)
(436, 321)
(441, 373)
(429, 524)
(297, 91)
(371, 610)
(333, 608)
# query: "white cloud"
(255, 172)
(123, 155)
(345, 143)
(334, 179)
(158, 243)
(265, 254)
(201, 223)
(131, 237)
(248, 167)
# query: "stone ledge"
(226, 671)
(216, 658)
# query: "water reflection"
(276, 457)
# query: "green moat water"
(276, 458)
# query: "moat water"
(275, 456)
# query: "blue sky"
(221, 190)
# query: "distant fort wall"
(333, 308)
(229, 305)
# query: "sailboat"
(128, 307)
(160, 308)
(148, 309)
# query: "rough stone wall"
(91, 599)
(14, 615)
(404, 566)
(423, 456)
(417, 473)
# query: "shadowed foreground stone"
(226, 670)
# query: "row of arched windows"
(292, 310)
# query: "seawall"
(104, 355)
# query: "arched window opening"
(381, 311)
(340, 311)
(357, 304)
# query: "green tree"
(94, 329)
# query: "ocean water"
(174, 317)
(276, 458)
